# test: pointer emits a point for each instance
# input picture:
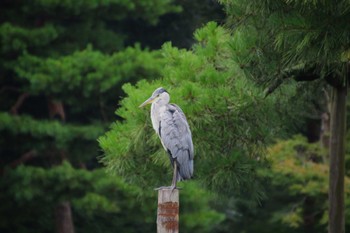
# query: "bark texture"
(63, 218)
(336, 157)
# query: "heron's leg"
(173, 184)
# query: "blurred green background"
(78, 155)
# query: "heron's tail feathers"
(185, 172)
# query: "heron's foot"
(162, 187)
(172, 187)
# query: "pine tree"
(62, 65)
(304, 40)
(231, 122)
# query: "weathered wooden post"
(168, 211)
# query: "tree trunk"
(337, 164)
(63, 218)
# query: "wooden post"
(168, 211)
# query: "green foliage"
(73, 52)
(62, 66)
(14, 38)
(297, 180)
(230, 119)
(303, 169)
(304, 41)
(61, 27)
(17, 125)
(197, 214)
(88, 74)
(47, 138)
(295, 35)
(300, 169)
(93, 195)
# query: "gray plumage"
(170, 123)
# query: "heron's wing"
(176, 137)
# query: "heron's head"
(160, 95)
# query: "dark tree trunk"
(336, 157)
(325, 129)
(63, 218)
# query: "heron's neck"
(157, 107)
(156, 110)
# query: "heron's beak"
(148, 101)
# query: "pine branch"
(298, 73)
(278, 82)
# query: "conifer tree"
(231, 122)
(304, 40)
(62, 65)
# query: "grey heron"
(170, 124)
